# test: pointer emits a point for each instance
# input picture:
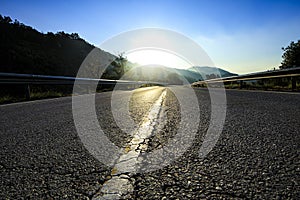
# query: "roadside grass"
(42, 93)
(48, 94)
(33, 96)
(149, 85)
(7, 99)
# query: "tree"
(62, 34)
(7, 20)
(74, 36)
(120, 63)
(291, 55)
(16, 22)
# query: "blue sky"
(241, 36)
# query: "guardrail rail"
(31, 79)
(292, 73)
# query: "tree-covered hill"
(26, 50)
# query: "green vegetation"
(25, 50)
(34, 96)
(149, 85)
(291, 58)
(291, 55)
(279, 84)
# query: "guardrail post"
(241, 84)
(27, 92)
(293, 79)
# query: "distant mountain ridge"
(210, 72)
(173, 75)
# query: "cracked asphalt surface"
(256, 156)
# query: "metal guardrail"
(32, 79)
(13, 78)
(289, 72)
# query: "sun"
(157, 57)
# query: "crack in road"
(122, 181)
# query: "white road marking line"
(120, 183)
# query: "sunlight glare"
(158, 57)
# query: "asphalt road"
(256, 156)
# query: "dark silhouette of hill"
(26, 50)
(174, 76)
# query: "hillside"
(211, 72)
(26, 50)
